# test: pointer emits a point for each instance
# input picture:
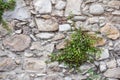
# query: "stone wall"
(40, 27)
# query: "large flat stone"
(7, 64)
(113, 73)
(73, 7)
(17, 42)
(34, 65)
(43, 6)
(46, 25)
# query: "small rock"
(17, 42)
(58, 36)
(104, 54)
(27, 54)
(18, 31)
(68, 78)
(112, 73)
(110, 31)
(56, 12)
(118, 62)
(61, 45)
(79, 18)
(7, 64)
(112, 79)
(53, 77)
(116, 13)
(39, 46)
(60, 5)
(45, 35)
(46, 16)
(111, 64)
(96, 9)
(43, 6)
(64, 27)
(46, 25)
(34, 65)
(93, 20)
(103, 66)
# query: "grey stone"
(7, 64)
(64, 27)
(60, 5)
(118, 62)
(43, 6)
(103, 66)
(93, 20)
(18, 13)
(34, 65)
(116, 13)
(68, 78)
(56, 12)
(45, 35)
(17, 42)
(46, 25)
(73, 7)
(111, 64)
(53, 77)
(104, 54)
(39, 46)
(79, 18)
(112, 73)
(96, 9)
(59, 36)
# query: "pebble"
(64, 27)
(45, 35)
(96, 9)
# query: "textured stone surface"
(17, 42)
(110, 31)
(43, 6)
(112, 73)
(7, 64)
(34, 65)
(73, 7)
(46, 25)
(64, 27)
(45, 35)
(96, 9)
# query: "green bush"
(9, 5)
(78, 50)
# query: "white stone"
(43, 6)
(60, 5)
(96, 9)
(103, 66)
(64, 27)
(45, 35)
(73, 7)
(104, 54)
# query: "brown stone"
(61, 45)
(46, 25)
(110, 31)
(17, 42)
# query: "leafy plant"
(8, 5)
(78, 50)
